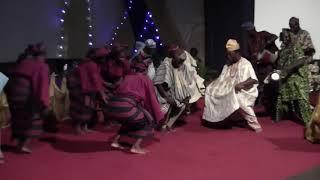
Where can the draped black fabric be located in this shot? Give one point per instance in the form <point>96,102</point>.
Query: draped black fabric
<point>223,21</point>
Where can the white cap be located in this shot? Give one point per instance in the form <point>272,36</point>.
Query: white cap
<point>150,43</point>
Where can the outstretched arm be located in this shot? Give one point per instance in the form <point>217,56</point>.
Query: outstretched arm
<point>246,85</point>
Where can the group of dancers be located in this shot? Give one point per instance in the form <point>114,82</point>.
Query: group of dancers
<point>133,91</point>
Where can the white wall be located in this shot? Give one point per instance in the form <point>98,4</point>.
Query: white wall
<point>273,15</point>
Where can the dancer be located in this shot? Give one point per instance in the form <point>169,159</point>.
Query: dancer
<point>85,86</point>
<point>28,96</point>
<point>234,91</point>
<point>136,107</point>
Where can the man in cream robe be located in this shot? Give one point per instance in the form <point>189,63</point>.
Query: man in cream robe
<point>235,89</point>
<point>177,82</point>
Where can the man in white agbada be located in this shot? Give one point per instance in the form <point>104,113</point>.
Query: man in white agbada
<point>178,84</point>
<point>235,89</point>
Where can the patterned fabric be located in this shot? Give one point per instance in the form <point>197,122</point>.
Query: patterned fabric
<point>140,87</point>
<point>182,82</point>
<point>135,121</point>
<point>59,96</point>
<point>4,110</point>
<point>221,100</point>
<point>79,111</point>
<point>303,39</point>
<point>25,124</point>
<point>294,90</point>
<point>314,76</point>
<point>312,133</point>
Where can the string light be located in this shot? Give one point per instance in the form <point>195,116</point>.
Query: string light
<point>150,31</point>
<point>122,22</point>
<point>61,47</point>
<point>89,21</point>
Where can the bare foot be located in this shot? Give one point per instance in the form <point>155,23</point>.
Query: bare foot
<point>138,151</point>
<point>165,128</point>
<point>259,130</point>
<point>171,130</point>
<point>117,146</point>
<point>1,158</point>
<point>87,130</point>
<point>25,150</point>
<point>79,132</point>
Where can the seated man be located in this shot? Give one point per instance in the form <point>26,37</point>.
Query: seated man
<point>235,89</point>
<point>178,83</point>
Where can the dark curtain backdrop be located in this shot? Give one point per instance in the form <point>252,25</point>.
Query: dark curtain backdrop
<point>76,29</point>
<point>180,22</point>
<point>223,21</point>
<point>136,15</point>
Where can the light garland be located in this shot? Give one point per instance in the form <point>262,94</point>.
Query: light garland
<point>122,22</point>
<point>90,26</point>
<point>150,30</point>
<point>61,46</point>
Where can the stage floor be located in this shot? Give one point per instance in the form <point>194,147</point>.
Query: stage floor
<point>192,152</point>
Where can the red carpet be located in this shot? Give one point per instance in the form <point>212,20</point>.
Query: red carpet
<point>191,153</point>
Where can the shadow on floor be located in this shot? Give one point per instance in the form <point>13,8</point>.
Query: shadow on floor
<point>313,174</point>
<point>76,146</point>
<point>292,144</point>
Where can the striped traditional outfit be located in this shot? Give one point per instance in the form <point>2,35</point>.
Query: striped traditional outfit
<point>182,82</point>
<point>135,105</point>
<point>84,83</point>
<point>28,94</point>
